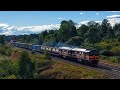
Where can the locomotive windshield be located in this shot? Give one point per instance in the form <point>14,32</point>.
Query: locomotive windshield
<point>94,52</point>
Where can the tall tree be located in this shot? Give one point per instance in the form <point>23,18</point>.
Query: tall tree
<point>2,39</point>
<point>104,28</point>
<point>26,66</point>
<point>92,35</point>
<point>82,30</point>
<point>91,23</point>
<point>67,30</point>
<point>110,33</point>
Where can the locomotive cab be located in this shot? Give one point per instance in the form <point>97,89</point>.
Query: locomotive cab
<point>94,56</point>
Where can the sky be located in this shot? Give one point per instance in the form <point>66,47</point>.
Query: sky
<point>28,22</point>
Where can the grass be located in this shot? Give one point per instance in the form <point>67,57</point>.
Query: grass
<point>110,59</point>
<point>60,70</point>
<point>52,69</point>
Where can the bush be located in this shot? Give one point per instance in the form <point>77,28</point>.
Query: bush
<point>7,65</point>
<point>103,45</point>
<point>105,52</point>
<point>118,38</point>
<point>7,68</point>
<point>46,55</point>
<point>5,50</point>
<point>115,59</point>
<point>2,51</point>
<point>8,52</point>
<point>3,73</point>
<point>118,59</point>
<point>116,51</point>
<point>32,52</point>
<point>11,77</point>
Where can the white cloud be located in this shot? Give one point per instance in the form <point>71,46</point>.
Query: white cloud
<point>113,19</point>
<point>40,28</point>
<point>97,13</point>
<point>60,18</point>
<point>113,11</point>
<point>7,33</point>
<point>15,30</point>
<point>80,23</point>
<point>113,16</point>
<point>81,13</point>
<point>84,22</point>
<point>3,25</point>
<point>9,30</point>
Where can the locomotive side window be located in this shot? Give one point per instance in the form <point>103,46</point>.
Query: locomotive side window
<point>94,53</point>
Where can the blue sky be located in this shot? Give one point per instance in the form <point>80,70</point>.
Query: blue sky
<point>29,18</point>
<point>12,22</point>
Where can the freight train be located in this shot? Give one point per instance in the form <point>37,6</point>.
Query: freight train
<point>76,54</point>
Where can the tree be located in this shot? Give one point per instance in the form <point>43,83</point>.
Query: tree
<point>118,39</point>
<point>91,23</point>
<point>26,66</point>
<point>75,41</point>
<point>110,33</point>
<point>82,30</point>
<point>67,30</point>
<point>2,40</point>
<point>92,35</point>
<point>116,29</point>
<point>104,28</point>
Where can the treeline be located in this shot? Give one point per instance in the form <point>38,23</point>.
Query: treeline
<point>93,36</point>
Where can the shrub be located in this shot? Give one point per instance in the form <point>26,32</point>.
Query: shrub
<point>116,51</point>
<point>7,68</point>
<point>118,38</point>
<point>11,77</point>
<point>8,52</point>
<point>33,52</point>
<point>3,73</point>
<point>7,65</point>
<point>105,52</point>
<point>103,45</point>
<point>118,59</point>
<point>5,50</point>
<point>2,51</point>
<point>46,55</point>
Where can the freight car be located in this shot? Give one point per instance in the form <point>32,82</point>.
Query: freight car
<point>29,46</point>
<point>36,48</point>
<point>23,45</point>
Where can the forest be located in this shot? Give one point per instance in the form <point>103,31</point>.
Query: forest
<point>103,37</point>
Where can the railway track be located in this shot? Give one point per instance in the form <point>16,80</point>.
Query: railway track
<point>112,71</point>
